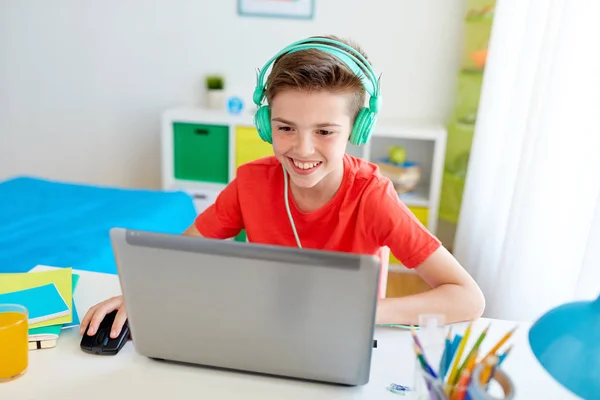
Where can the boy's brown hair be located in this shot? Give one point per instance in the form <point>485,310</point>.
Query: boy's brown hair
<point>315,70</point>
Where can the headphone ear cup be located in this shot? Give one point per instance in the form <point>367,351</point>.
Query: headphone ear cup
<point>262,121</point>
<point>363,127</point>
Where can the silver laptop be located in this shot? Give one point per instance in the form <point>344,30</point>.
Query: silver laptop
<point>273,310</point>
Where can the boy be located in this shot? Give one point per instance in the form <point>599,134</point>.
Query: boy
<point>312,194</point>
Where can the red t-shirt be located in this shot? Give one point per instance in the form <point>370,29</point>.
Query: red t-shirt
<point>364,215</point>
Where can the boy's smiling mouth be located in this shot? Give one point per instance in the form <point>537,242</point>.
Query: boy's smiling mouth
<point>304,167</point>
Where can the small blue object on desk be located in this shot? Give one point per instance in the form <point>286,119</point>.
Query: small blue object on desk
<point>566,342</point>
<point>398,389</point>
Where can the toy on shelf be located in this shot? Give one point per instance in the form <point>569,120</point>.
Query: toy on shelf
<point>479,58</point>
<point>405,175</point>
<point>235,105</point>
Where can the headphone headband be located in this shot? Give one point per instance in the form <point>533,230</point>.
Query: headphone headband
<point>347,54</point>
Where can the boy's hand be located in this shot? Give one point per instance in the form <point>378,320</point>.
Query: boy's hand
<point>96,314</point>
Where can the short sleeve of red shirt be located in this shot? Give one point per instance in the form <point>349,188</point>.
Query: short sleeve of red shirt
<point>223,219</point>
<point>396,227</point>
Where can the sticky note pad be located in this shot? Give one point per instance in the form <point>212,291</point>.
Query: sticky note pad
<point>60,277</point>
<point>53,331</point>
<point>42,302</point>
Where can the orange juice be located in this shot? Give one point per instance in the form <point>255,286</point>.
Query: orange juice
<point>13,341</point>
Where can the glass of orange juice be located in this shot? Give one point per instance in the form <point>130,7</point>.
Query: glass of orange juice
<point>14,344</point>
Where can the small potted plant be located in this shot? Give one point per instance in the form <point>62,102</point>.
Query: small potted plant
<point>215,92</point>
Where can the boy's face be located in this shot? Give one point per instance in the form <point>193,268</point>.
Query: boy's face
<point>310,134</point>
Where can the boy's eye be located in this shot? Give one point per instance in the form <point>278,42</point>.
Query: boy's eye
<point>284,129</point>
<point>324,132</point>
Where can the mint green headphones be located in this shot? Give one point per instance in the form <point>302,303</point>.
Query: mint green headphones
<point>365,121</point>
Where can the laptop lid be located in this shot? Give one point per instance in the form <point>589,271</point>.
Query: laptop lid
<point>285,311</point>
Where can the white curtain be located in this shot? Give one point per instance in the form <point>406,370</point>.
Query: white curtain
<point>529,228</point>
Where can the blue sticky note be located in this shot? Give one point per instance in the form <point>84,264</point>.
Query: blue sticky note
<point>42,302</point>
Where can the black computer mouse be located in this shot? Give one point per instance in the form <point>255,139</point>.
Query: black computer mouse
<point>101,343</point>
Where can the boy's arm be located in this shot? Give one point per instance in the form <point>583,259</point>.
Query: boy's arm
<point>192,231</point>
<point>454,293</point>
<point>222,219</point>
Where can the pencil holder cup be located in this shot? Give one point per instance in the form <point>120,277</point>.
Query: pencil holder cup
<point>428,387</point>
<point>499,387</point>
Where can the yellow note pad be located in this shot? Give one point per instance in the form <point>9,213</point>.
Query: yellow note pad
<point>62,279</point>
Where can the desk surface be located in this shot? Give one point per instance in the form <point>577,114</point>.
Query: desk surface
<point>65,372</point>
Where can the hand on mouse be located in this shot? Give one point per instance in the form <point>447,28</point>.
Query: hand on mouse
<point>96,314</point>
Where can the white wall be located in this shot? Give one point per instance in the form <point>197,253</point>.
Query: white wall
<point>83,83</point>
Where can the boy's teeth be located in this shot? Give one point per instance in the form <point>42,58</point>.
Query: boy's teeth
<point>305,165</point>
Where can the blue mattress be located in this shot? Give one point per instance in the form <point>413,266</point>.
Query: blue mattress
<point>66,225</point>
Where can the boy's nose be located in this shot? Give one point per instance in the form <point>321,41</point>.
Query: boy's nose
<point>304,145</point>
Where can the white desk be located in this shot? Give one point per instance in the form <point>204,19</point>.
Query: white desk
<point>65,372</point>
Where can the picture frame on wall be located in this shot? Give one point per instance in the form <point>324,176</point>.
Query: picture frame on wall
<point>297,9</point>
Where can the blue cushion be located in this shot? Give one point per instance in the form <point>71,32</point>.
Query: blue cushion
<point>66,225</point>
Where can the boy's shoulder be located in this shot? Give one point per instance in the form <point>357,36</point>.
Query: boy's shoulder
<point>365,174</point>
<point>361,169</point>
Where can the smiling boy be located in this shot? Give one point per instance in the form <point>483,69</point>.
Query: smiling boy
<point>312,194</point>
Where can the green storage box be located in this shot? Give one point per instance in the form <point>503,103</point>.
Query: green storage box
<point>201,152</point>
<point>241,237</point>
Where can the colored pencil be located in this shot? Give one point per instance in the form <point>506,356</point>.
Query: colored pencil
<point>465,375</point>
<point>461,348</point>
<point>420,354</point>
<point>424,364</point>
<point>427,368</point>
<point>461,386</point>
<point>504,355</point>
<point>453,347</point>
<point>486,372</point>
<point>475,348</point>
<point>500,343</point>
<point>444,361</point>
<point>415,337</point>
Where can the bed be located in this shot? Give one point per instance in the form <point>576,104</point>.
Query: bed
<point>66,225</point>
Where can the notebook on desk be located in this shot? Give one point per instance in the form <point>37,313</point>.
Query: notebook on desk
<point>45,337</point>
<point>61,278</point>
<point>266,309</point>
<point>42,302</point>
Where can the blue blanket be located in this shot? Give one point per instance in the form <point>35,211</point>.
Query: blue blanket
<point>66,225</point>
